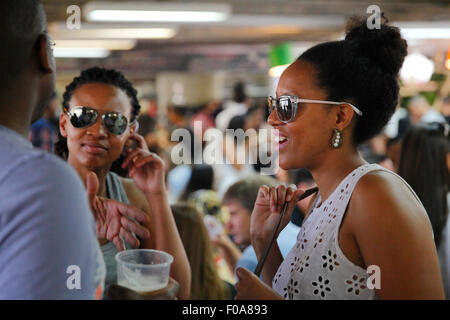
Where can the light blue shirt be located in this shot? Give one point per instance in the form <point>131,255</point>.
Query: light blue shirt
<point>48,245</point>
<point>286,240</point>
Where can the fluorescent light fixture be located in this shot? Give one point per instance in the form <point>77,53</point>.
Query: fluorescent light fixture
<point>416,69</point>
<point>80,53</point>
<point>111,31</point>
<point>417,30</point>
<point>155,12</point>
<point>275,72</point>
<point>154,16</point>
<point>425,33</point>
<point>311,21</point>
<point>133,33</point>
<point>101,44</point>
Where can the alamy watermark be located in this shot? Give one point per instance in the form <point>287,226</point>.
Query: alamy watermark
<point>374,280</point>
<point>374,20</point>
<point>74,280</point>
<point>74,20</point>
<point>233,146</point>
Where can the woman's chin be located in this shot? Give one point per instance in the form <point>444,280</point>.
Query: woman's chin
<point>93,163</point>
<point>284,164</point>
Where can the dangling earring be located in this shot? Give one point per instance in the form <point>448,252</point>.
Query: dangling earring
<point>336,139</point>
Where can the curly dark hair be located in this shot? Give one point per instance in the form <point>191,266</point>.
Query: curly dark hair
<point>97,75</point>
<point>362,69</point>
<point>107,76</point>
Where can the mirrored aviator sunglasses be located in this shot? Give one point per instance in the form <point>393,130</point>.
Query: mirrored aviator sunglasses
<point>83,117</point>
<point>285,107</point>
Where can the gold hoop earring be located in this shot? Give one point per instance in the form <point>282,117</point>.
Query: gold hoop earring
<point>336,139</point>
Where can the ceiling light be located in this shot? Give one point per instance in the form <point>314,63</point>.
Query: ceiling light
<point>80,53</point>
<point>111,31</point>
<point>425,33</point>
<point>155,12</point>
<point>416,30</point>
<point>103,44</point>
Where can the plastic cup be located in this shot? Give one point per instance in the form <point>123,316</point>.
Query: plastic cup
<point>143,270</point>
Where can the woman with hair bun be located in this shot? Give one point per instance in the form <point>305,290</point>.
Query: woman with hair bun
<point>366,235</point>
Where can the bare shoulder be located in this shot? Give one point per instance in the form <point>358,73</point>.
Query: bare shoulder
<point>383,200</point>
<point>135,196</point>
<point>392,231</point>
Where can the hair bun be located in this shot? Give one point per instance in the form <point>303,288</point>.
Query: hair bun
<point>385,46</point>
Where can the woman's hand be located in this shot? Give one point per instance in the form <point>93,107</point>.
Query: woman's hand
<point>267,210</point>
<point>145,168</point>
<point>250,287</point>
<point>112,217</point>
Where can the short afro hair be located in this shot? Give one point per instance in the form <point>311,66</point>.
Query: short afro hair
<point>107,76</point>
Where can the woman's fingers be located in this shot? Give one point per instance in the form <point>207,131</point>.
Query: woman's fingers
<point>140,140</point>
<point>128,237</point>
<point>127,210</point>
<point>292,195</point>
<point>134,227</point>
<point>273,199</point>
<point>118,243</point>
<point>263,197</point>
<point>92,186</point>
<point>131,158</point>
<point>290,192</point>
<point>152,157</point>
<point>281,195</point>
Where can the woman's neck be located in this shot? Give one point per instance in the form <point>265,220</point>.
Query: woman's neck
<point>333,169</point>
<point>100,172</point>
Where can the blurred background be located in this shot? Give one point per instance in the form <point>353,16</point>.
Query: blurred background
<point>216,62</point>
<point>189,59</point>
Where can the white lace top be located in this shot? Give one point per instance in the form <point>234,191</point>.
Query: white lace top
<point>316,268</point>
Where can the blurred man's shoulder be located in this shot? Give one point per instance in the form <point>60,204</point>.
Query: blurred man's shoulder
<point>22,163</point>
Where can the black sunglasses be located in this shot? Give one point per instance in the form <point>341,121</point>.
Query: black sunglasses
<point>83,117</point>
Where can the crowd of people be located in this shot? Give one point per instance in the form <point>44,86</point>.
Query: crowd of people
<point>100,178</point>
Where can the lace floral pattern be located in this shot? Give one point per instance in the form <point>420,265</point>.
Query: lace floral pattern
<point>320,286</point>
<point>356,285</point>
<point>330,261</point>
<point>316,268</point>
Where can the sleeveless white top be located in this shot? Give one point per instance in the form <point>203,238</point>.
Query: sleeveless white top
<point>316,268</point>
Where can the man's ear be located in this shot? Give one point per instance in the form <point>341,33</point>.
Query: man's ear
<point>46,58</point>
<point>62,124</point>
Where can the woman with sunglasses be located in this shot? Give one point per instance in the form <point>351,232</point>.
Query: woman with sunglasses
<point>100,108</point>
<point>366,234</point>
